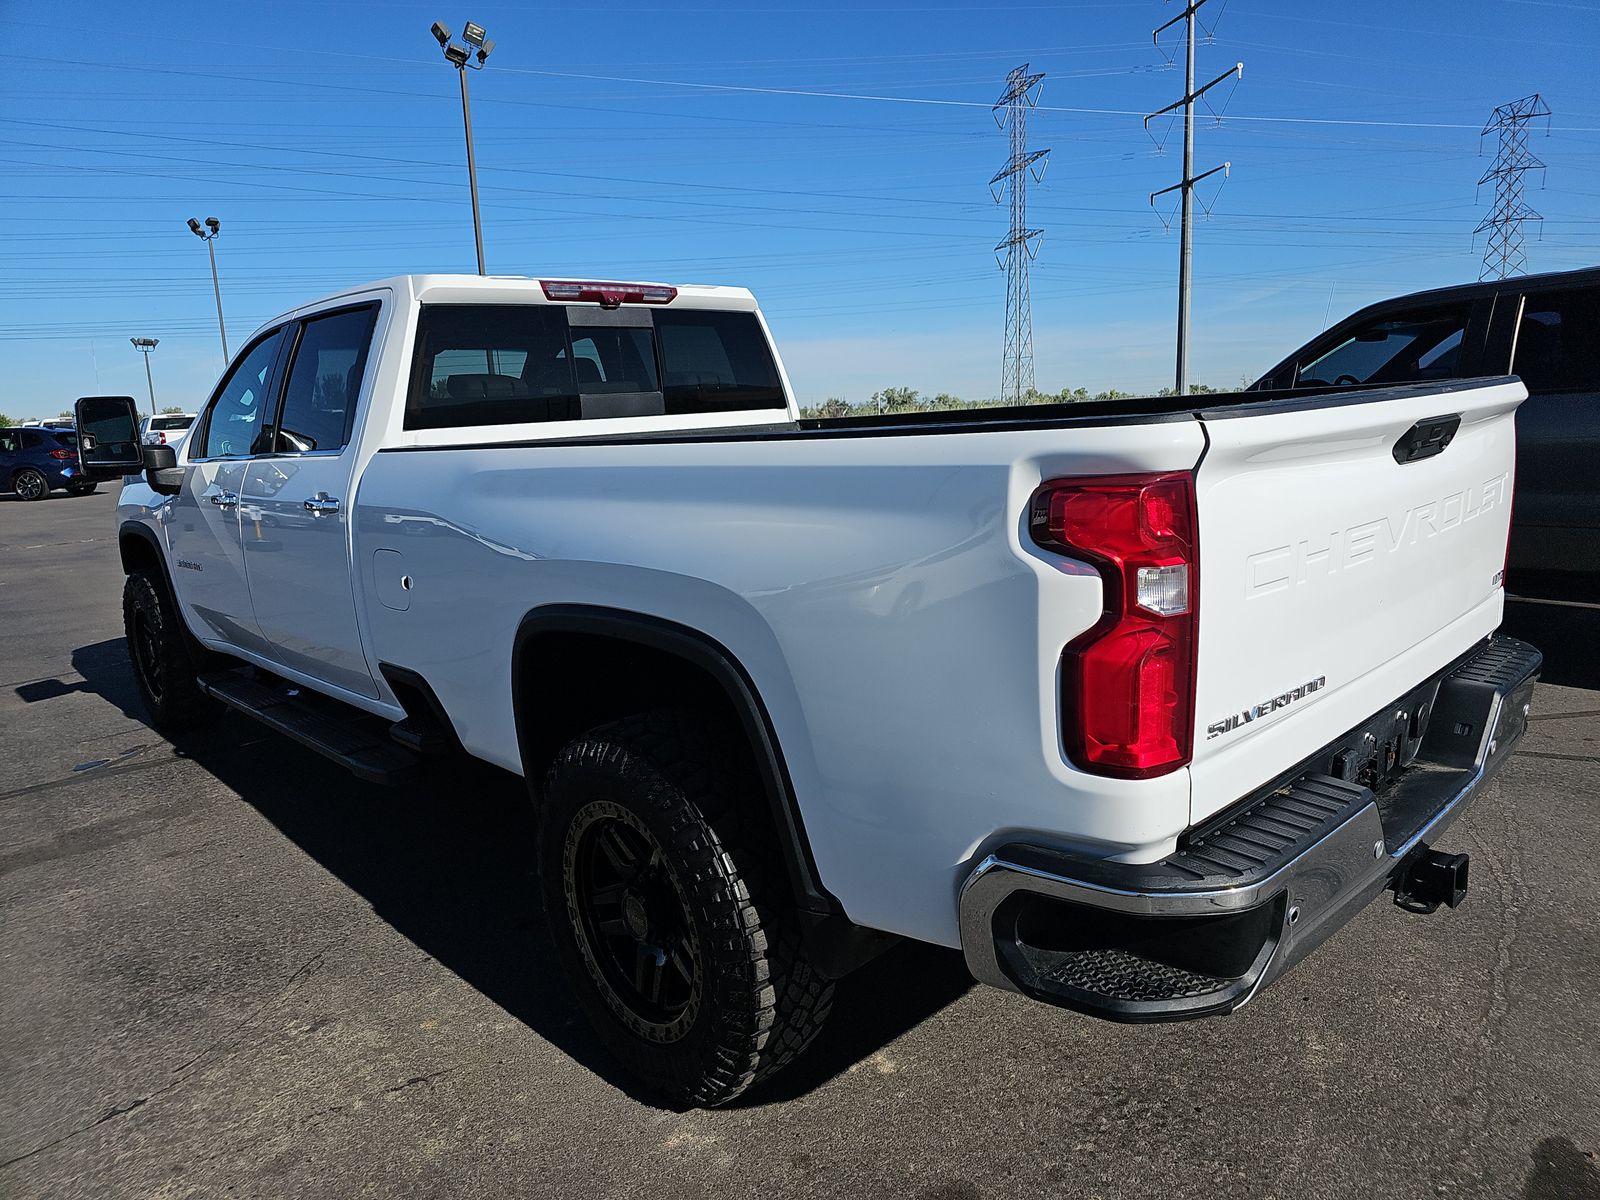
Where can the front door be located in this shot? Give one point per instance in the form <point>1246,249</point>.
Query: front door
<point>202,527</point>
<point>296,502</point>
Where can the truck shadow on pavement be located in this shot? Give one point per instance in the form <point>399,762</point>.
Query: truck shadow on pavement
<point>449,864</point>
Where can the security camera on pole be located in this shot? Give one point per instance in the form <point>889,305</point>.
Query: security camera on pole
<point>215,227</point>
<point>458,57</point>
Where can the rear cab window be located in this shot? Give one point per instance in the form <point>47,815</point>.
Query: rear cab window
<point>505,364</point>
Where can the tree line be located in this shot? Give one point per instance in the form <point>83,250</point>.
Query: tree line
<point>904,399</point>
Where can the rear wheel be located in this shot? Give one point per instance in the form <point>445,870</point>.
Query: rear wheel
<point>81,489</point>
<point>669,910</point>
<point>30,484</point>
<point>161,660</point>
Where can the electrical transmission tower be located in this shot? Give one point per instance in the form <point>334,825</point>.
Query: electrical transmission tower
<point>1185,185</point>
<point>1010,186</point>
<point>1503,253</point>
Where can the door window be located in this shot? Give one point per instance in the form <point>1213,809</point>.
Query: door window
<point>238,410</point>
<point>1556,342</point>
<point>319,400</point>
<point>1399,349</point>
<point>9,440</point>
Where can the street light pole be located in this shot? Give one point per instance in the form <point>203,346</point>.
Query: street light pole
<point>460,58</point>
<point>472,171</point>
<point>214,227</point>
<point>145,346</point>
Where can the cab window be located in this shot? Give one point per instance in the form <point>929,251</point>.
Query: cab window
<point>237,412</point>
<point>1400,349</point>
<point>319,399</point>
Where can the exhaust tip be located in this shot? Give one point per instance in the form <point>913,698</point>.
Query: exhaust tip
<point>1429,879</point>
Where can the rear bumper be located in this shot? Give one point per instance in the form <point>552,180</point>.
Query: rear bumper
<point>1251,892</point>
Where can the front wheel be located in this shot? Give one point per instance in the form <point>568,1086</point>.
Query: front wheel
<point>161,661</point>
<point>670,911</point>
<point>30,484</point>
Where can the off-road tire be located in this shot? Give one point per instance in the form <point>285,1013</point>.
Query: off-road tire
<point>162,664</point>
<point>687,781</point>
<point>30,484</point>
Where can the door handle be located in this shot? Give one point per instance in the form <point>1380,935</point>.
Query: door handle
<point>322,504</point>
<point>225,499</point>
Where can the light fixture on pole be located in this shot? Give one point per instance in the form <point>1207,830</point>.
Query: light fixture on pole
<point>206,235</point>
<point>144,346</point>
<point>460,57</point>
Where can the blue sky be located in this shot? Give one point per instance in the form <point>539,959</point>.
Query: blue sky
<point>832,157</point>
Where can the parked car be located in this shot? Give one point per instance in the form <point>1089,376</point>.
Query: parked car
<point>1134,702</point>
<point>1544,329</point>
<point>165,429</point>
<point>36,459</point>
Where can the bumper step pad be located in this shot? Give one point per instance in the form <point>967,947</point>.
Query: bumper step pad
<point>1119,974</point>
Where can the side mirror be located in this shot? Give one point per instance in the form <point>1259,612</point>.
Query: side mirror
<point>161,470</point>
<point>108,436</point>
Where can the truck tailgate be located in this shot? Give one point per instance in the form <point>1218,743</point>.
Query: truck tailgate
<point>1333,576</point>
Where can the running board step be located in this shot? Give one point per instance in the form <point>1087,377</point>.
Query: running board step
<point>357,741</point>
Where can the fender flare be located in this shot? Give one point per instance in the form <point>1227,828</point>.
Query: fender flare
<point>143,532</point>
<point>720,664</point>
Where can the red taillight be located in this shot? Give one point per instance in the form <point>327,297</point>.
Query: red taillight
<point>610,295</point>
<point>1128,683</point>
<point>64,455</point>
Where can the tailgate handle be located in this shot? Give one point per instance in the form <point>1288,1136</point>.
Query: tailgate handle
<point>1427,438</point>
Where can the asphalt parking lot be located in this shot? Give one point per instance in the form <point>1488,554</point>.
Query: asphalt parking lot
<point>228,968</point>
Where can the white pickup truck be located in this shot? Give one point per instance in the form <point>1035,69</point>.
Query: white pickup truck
<point>1132,702</point>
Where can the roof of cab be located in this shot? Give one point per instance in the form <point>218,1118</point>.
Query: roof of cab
<point>527,289</point>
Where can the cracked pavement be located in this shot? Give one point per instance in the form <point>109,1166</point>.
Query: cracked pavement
<point>231,969</point>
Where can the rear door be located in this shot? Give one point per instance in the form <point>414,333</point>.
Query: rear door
<point>1557,354</point>
<point>203,546</point>
<point>1333,577</point>
<point>296,499</point>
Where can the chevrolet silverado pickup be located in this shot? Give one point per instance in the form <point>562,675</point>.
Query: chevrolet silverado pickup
<point>1133,702</point>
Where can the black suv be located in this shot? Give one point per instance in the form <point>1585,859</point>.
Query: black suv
<point>1545,328</point>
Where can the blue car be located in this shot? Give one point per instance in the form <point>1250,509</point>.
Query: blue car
<point>35,461</point>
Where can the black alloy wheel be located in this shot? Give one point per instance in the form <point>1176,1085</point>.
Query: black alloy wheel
<point>144,649</point>
<point>670,908</point>
<point>162,662</point>
<point>637,937</point>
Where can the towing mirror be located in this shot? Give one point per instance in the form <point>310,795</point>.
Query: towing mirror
<point>108,436</point>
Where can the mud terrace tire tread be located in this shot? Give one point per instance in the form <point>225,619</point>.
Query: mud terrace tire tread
<point>182,705</point>
<point>763,1002</point>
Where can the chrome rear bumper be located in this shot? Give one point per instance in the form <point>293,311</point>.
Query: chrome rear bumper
<point>1250,893</point>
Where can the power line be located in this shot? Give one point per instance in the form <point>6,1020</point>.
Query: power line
<point>1504,253</point>
<point>1010,186</point>
<point>1185,185</point>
